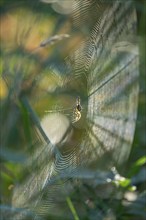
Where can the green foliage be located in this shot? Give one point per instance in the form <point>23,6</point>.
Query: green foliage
<point>34,79</point>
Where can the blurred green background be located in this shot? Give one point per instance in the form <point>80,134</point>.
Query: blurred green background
<point>30,76</point>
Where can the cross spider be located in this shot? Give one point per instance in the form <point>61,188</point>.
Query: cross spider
<point>77,110</point>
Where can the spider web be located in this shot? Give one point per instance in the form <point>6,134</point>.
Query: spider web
<point>105,71</point>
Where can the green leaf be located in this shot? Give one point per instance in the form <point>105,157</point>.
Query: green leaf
<point>141,161</point>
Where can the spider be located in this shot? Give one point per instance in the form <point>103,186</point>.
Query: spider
<point>76,111</point>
